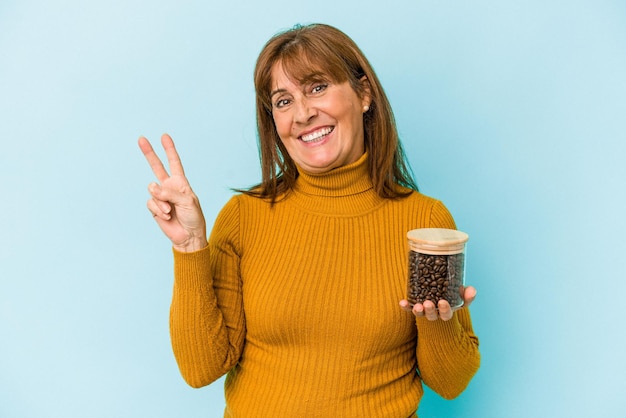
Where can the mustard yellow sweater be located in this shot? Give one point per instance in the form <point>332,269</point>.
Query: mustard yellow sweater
<point>298,304</point>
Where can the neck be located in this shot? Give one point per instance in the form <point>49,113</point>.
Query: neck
<point>341,191</point>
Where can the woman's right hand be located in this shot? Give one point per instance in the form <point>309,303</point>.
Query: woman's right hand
<point>173,204</point>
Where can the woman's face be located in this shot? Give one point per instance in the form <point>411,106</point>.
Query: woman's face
<point>319,122</point>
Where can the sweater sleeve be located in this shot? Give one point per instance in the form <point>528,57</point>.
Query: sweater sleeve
<point>447,351</point>
<point>207,325</point>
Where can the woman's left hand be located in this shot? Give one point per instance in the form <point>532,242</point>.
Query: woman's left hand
<point>442,311</point>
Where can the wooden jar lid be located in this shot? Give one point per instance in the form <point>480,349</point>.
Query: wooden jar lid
<point>437,240</point>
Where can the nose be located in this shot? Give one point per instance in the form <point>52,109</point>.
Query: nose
<point>304,111</point>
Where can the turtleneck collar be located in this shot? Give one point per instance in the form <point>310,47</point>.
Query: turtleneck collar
<point>346,190</point>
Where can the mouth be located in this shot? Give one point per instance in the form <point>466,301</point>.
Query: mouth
<point>317,135</point>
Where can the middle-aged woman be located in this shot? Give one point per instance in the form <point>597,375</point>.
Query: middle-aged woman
<point>295,294</point>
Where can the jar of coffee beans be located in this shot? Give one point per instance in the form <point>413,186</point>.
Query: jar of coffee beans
<point>436,266</point>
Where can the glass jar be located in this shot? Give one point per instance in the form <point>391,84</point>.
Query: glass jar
<point>436,266</point>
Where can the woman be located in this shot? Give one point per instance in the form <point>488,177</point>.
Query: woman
<point>295,294</point>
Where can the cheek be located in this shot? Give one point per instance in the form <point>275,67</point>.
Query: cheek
<point>282,125</point>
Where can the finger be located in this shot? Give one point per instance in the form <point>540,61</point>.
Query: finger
<point>169,196</point>
<point>430,311</point>
<point>157,212</point>
<point>445,311</point>
<point>417,309</point>
<point>405,305</point>
<point>173,159</point>
<point>153,159</point>
<point>158,196</point>
<point>469,295</point>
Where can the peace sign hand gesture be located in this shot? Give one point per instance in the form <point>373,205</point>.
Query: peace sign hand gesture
<point>174,205</point>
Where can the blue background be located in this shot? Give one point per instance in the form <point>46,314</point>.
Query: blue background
<point>512,113</point>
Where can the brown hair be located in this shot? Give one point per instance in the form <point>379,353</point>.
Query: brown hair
<point>324,50</point>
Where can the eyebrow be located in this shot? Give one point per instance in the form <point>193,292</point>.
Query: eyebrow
<point>276,92</point>
<point>311,78</point>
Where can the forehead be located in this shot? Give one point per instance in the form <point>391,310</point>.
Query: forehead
<point>283,76</point>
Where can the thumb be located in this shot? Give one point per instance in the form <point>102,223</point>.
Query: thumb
<point>159,196</point>
<point>155,190</point>
<point>160,193</point>
<point>469,295</point>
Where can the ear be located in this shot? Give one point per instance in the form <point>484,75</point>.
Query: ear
<point>366,98</point>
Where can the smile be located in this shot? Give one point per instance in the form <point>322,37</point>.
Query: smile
<point>317,135</point>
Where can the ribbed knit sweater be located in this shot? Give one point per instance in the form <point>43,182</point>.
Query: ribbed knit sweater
<point>298,304</point>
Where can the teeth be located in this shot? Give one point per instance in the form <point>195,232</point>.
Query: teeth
<point>316,135</point>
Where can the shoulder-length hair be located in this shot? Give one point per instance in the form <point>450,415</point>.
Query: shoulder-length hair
<point>324,50</point>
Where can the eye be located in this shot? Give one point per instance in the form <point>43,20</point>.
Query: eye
<point>280,103</point>
<point>318,88</point>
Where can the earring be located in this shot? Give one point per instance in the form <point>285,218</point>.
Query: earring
<point>366,108</point>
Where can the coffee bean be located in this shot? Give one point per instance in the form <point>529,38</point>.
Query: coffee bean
<point>435,277</point>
